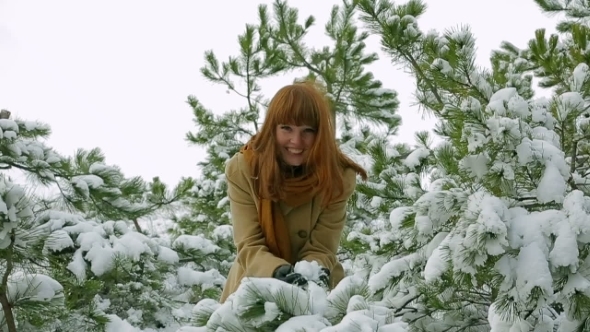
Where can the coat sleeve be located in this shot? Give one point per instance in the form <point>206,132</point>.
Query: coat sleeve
<point>252,253</point>
<point>322,245</point>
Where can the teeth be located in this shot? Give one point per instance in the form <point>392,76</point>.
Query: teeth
<point>295,151</point>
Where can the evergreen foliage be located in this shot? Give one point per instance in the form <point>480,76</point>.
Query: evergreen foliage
<point>482,225</point>
<point>273,46</point>
<point>73,255</point>
<point>485,230</point>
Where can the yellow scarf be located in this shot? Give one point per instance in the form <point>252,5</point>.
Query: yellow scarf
<point>298,191</point>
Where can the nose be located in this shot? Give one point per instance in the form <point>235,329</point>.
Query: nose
<point>296,139</point>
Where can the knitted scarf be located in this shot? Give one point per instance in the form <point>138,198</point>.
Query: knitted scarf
<point>298,191</point>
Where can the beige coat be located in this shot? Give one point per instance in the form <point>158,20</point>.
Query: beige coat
<point>315,231</point>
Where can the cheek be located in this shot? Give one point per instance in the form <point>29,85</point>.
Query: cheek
<point>281,140</point>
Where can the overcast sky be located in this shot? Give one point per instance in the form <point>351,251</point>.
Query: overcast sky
<point>116,74</point>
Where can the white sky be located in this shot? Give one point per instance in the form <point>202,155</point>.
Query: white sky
<point>116,74</point>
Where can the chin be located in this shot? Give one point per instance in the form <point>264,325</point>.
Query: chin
<point>292,163</point>
<point>291,160</point>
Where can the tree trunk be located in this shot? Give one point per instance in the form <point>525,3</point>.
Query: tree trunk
<point>7,309</point>
<point>6,306</point>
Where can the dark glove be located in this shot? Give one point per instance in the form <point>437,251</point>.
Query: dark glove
<point>285,273</point>
<point>325,277</point>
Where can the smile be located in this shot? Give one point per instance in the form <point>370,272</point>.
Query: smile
<point>295,151</point>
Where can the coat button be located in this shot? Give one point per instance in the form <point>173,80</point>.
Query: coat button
<point>302,234</point>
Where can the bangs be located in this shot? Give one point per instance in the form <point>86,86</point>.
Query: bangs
<point>297,107</point>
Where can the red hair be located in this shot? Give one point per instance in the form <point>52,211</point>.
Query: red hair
<point>300,104</point>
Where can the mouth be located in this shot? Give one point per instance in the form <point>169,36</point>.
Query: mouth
<point>295,151</point>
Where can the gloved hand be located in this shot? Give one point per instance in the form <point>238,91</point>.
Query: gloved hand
<point>285,273</point>
<point>325,277</point>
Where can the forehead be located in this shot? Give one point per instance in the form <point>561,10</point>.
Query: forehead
<point>297,111</point>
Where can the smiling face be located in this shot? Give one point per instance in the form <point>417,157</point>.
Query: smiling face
<point>294,143</point>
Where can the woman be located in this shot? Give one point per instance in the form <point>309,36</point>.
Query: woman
<point>288,189</point>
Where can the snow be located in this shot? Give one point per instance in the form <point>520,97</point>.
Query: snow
<point>207,279</point>
<point>310,270</point>
<point>533,271</point>
<point>222,232</point>
<point>168,255</point>
<point>503,127</point>
<point>497,102</point>
<point>567,103</point>
<point>7,124</point>
<point>576,283</point>
<point>565,250</point>
<point>117,324</point>
<point>496,322</point>
<point>392,270</point>
<point>86,182</point>
<point>192,329</point>
<point>530,150</point>
<point>99,168</point>
<point>293,297</point>
<point>443,66</point>
<point>491,215</point>
<point>397,217</point>
<point>519,107</point>
<point>476,165</point>
<point>33,287</point>
<point>272,298</point>
<point>195,242</point>
<point>580,75</point>
<point>133,245</point>
<point>415,158</point>
<point>304,323</point>
<point>101,259</point>
<point>78,266</point>
<point>437,263</point>
<point>361,323</point>
<point>552,186</point>
<point>508,227</point>
<point>58,241</point>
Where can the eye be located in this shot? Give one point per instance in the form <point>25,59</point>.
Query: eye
<point>286,128</point>
<point>309,130</point>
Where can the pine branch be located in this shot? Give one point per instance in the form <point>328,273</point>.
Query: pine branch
<point>408,57</point>
<point>297,52</point>
<point>414,320</point>
<point>472,86</point>
<point>136,224</point>
<point>403,306</point>
<point>550,7</point>
<point>249,87</point>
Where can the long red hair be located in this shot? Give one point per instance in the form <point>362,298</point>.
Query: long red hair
<point>300,104</point>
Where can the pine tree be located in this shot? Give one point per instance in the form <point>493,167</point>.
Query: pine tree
<point>397,177</point>
<point>269,48</point>
<point>485,245</point>
<point>497,238</point>
<point>72,252</point>
<point>277,46</point>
